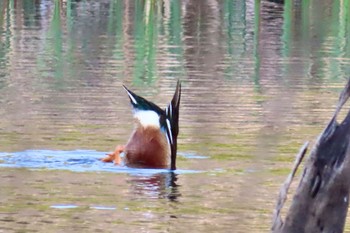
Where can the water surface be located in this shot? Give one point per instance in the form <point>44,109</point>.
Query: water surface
<point>259,78</point>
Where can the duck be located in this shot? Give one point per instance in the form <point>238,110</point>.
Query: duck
<point>153,142</point>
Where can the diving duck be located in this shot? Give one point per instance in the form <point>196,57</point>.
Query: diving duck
<point>153,143</point>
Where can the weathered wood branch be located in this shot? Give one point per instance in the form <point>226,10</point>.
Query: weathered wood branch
<point>320,203</point>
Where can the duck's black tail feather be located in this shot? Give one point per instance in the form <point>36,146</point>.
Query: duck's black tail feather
<point>172,116</point>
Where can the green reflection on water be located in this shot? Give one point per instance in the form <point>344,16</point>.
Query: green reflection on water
<point>5,42</point>
<point>52,59</point>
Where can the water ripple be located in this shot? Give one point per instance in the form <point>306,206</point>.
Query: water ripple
<point>76,161</point>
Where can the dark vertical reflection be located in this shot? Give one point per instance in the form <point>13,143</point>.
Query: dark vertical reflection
<point>31,13</point>
<point>159,186</point>
<point>269,46</point>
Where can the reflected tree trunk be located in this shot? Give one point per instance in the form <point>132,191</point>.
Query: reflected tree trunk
<point>321,200</point>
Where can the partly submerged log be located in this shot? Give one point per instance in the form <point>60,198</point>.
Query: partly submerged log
<point>321,200</point>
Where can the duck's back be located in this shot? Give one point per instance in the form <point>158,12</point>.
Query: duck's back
<point>147,147</point>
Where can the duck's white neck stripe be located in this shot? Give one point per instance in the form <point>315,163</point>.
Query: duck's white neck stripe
<point>169,129</point>
<point>147,118</point>
<point>131,97</point>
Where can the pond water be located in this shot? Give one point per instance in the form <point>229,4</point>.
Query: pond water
<point>259,79</point>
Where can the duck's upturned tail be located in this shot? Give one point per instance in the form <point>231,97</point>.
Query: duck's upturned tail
<point>172,118</point>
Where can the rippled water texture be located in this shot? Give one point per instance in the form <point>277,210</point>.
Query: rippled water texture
<point>76,161</point>
<point>259,78</point>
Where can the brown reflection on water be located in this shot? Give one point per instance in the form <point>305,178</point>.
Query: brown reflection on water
<point>270,72</point>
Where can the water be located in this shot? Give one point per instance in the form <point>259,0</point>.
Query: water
<point>77,161</point>
<point>259,78</point>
